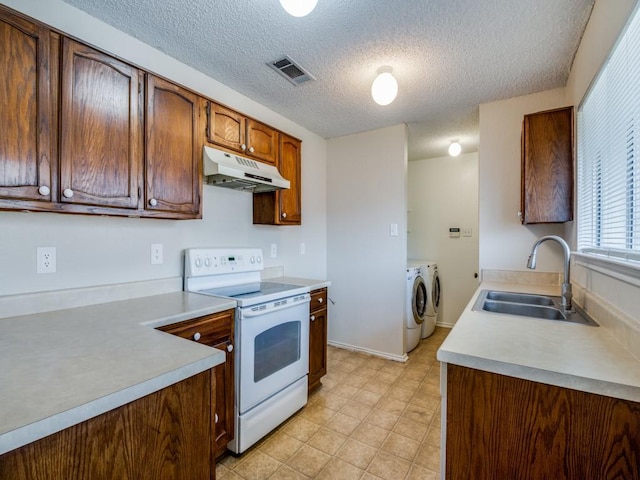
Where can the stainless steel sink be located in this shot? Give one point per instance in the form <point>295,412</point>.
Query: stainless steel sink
<point>528,305</point>
<point>520,298</point>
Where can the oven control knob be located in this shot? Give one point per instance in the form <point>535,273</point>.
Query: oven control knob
<point>259,259</point>
<point>196,336</point>
<point>207,262</point>
<point>252,259</point>
<point>198,262</point>
<point>313,318</point>
<point>229,348</point>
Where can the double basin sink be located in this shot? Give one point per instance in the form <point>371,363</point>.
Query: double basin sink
<point>529,305</point>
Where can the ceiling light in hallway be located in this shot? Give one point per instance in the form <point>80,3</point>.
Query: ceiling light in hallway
<point>455,148</point>
<point>385,87</point>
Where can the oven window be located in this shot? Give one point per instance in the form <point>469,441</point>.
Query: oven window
<point>275,349</point>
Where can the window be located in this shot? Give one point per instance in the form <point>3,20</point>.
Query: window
<point>609,154</point>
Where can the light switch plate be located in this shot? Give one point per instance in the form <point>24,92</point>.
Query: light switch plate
<point>393,229</point>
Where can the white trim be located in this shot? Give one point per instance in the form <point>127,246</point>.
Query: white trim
<point>388,356</point>
<point>445,324</point>
<point>620,270</point>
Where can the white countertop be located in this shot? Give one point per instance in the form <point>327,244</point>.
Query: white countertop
<point>60,368</point>
<point>304,282</point>
<point>556,353</point>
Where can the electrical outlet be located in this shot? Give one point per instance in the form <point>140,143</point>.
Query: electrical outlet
<point>46,260</point>
<point>156,254</point>
<point>274,250</point>
<point>466,232</point>
<point>303,249</point>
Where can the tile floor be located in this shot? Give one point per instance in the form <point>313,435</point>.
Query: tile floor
<point>371,419</point>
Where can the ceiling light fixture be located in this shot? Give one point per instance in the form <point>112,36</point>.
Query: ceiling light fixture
<point>385,87</point>
<point>455,148</point>
<point>298,8</point>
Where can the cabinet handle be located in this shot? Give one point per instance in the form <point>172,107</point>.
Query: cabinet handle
<point>216,418</point>
<point>284,214</point>
<point>320,300</point>
<point>229,348</point>
<point>68,193</point>
<point>243,147</point>
<point>44,190</point>
<point>153,202</point>
<point>251,149</point>
<point>313,318</point>
<point>196,336</point>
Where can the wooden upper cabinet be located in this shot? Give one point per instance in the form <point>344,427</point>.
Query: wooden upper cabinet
<point>283,207</point>
<point>226,127</point>
<point>100,129</point>
<point>547,167</point>
<point>234,131</point>
<point>262,142</point>
<point>26,136</point>
<point>173,159</point>
<point>290,202</point>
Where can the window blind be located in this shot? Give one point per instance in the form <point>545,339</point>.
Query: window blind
<point>608,162</point>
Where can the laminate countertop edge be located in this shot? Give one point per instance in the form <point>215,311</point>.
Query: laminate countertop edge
<point>556,353</point>
<point>63,367</point>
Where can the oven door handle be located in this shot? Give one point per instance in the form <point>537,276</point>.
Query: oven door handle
<point>250,313</point>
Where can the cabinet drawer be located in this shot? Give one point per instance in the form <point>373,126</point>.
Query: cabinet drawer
<point>318,299</point>
<point>209,330</point>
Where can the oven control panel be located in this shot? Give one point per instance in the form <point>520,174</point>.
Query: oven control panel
<point>218,261</point>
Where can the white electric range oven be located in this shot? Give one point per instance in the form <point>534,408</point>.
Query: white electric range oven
<point>271,333</point>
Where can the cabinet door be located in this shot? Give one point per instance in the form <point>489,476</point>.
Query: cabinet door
<point>289,201</point>
<point>547,167</point>
<point>101,129</point>
<point>224,419</point>
<point>226,127</point>
<point>262,142</point>
<point>173,159</point>
<point>317,347</point>
<point>25,110</point>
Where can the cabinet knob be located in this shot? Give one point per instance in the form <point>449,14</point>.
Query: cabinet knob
<point>313,318</point>
<point>44,190</point>
<point>153,202</point>
<point>243,147</point>
<point>216,418</point>
<point>320,300</point>
<point>519,214</point>
<point>68,193</point>
<point>229,348</point>
<point>196,336</point>
<point>251,149</point>
<point>284,214</point>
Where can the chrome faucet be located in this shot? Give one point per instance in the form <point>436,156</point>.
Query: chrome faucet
<point>566,286</point>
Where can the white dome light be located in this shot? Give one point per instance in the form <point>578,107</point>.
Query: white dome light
<point>455,149</point>
<point>385,87</point>
<point>298,8</point>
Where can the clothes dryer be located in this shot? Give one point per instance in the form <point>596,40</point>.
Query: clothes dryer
<point>416,306</point>
<point>432,285</point>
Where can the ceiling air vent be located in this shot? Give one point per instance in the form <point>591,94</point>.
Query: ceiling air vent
<point>291,71</point>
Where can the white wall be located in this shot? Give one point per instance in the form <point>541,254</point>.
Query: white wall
<point>443,193</point>
<point>505,243</point>
<point>367,192</point>
<point>103,250</point>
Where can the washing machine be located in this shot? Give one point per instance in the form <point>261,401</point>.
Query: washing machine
<point>416,307</point>
<point>432,285</point>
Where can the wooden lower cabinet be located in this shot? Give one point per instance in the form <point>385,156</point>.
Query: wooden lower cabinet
<point>217,331</point>
<point>317,338</point>
<point>165,435</point>
<point>504,427</point>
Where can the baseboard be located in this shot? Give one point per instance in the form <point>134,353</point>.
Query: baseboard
<point>375,353</point>
<point>445,325</point>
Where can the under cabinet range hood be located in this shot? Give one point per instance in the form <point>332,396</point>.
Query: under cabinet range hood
<point>239,173</point>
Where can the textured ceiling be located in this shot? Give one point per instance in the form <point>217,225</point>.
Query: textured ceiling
<point>448,56</point>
